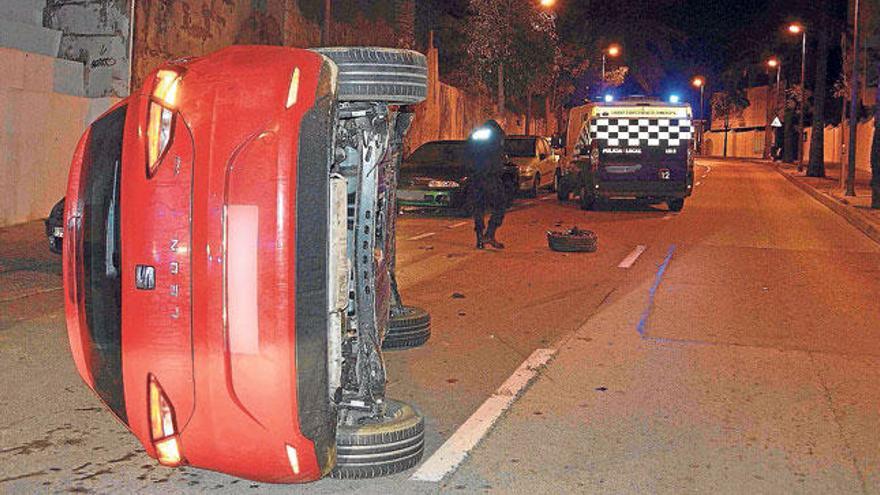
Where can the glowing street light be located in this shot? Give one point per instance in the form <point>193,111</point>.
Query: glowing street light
<point>613,50</point>
<point>547,3</point>
<point>796,28</point>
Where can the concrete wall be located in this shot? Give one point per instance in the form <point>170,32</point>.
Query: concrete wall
<point>168,30</point>
<point>39,129</point>
<point>834,139</point>
<point>95,33</point>
<point>740,144</point>
<point>451,113</point>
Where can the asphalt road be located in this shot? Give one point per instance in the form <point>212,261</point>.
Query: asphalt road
<point>737,354</point>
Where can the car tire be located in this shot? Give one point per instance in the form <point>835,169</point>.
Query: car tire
<point>410,328</point>
<point>675,204</point>
<point>587,198</point>
<point>393,443</point>
<point>388,75</point>
<point>562,193</point>
<point>536,183</point>
<point>566,242</point>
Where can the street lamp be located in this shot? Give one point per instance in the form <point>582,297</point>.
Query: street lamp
<point>612,51</point>
<point>700,82</point>
<point>796,29</point>
<point>547,3</point>
<point>772,63</point>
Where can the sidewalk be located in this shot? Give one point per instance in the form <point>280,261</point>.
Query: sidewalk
<point>856,210</point>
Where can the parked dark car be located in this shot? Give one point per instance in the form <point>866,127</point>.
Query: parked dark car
<point>435,176</point>
<point>55,227</point>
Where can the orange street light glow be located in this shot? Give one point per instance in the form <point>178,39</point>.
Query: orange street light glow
<point>547,3</point>
<point>698,82</point>
<point>795,28</point>
<point>773,63</point>
<point>613,50</point>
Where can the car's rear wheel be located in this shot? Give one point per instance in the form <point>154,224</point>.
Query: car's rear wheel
<point>380,446</point>
<point>386,75</point>
<point>536,183</point>
<point>675,204</point>
<point>410,327</point>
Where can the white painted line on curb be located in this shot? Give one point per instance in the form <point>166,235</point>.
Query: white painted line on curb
<point>630,260</point>
<point>547,197</point>
<point>456,448</point>
<point>457,225</point>
<point>421,236</point>
<point>528,203</point>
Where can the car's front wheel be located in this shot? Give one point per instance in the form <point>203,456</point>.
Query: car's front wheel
<point>392,443</point>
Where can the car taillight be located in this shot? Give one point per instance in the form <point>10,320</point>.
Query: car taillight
<point>163,429</point>
<point>160,120</point>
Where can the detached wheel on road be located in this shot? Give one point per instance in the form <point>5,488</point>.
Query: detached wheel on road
<point>573,240</point>
<point>410,327</point>
<point>380,446</point>
<point>675,204</point>
<point>388,75</point>
<point>588,199</point>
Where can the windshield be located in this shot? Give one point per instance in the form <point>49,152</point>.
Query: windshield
<point>519,147</point>
<point>438,154</point>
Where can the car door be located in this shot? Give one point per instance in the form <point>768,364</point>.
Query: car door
<point>546,161</point>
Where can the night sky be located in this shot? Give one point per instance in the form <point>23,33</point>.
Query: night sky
<point>703,37</point>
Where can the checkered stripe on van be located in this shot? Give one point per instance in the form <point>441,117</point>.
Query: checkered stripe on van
<point>641,132</point>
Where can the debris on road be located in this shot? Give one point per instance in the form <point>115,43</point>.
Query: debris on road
<point>457,295</point>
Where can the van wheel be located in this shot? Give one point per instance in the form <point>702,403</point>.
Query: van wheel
<point>392,443</point>
<point>388,75</point>
<point>588,199</point>
<point>675,204</point>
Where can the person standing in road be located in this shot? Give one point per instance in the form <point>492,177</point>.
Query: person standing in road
<point>486,190</point>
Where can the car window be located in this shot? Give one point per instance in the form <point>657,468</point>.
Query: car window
<point>438,154</point>
<point>519,147</point>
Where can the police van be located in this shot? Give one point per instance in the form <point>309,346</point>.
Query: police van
<point>639,148</point>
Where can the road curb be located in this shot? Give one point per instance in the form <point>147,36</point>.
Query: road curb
<point>856,219</point>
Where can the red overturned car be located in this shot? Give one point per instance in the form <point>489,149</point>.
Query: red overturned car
<point>227,236</point>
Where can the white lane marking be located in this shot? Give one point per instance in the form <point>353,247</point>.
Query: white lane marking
<point>468,435</point>
<point>421,236</point>
<point>457,225</point>
<point>631,258</point>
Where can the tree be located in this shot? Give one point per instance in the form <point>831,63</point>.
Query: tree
<point>510,42</point>
<point>406,24</point>
<point>816,167</point>
<point>726,105</point>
